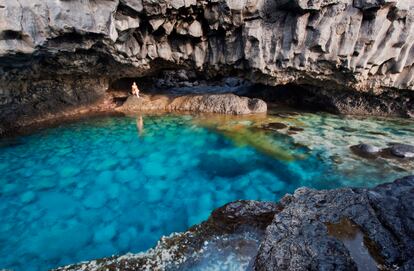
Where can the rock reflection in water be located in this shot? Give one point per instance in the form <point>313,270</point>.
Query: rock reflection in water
<point>360,248</point>
<point>140,125</point>
<point>9,142</point>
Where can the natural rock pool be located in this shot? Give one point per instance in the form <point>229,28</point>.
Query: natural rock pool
<point>114,185</point>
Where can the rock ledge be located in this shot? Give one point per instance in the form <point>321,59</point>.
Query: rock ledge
<point>207,103</point>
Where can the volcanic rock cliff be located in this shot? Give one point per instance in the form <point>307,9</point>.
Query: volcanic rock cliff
<point>55,53</point>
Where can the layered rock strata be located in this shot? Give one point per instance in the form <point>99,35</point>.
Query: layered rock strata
<point>59,53</point>
<point>341,229</point>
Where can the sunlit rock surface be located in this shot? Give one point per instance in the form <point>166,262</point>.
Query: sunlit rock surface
<point>309,230</point>
<point>207,103</point>
<point>59,53</point>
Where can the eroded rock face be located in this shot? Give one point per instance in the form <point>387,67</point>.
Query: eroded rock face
<point>207,103</point>
<point>297,238</point>
<point>309,230</point>
<point>363,46</point>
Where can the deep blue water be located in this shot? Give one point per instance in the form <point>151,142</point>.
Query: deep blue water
<point>100,187</point>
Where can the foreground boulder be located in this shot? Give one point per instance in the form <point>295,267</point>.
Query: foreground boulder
<point>207,103</point>
<point>341,229</point>
<point>298,239</point>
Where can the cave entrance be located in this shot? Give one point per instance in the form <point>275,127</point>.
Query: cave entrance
<point>120,89</point>
<point>182,82</point>
<point>296,96</point>
<point>123,85</point>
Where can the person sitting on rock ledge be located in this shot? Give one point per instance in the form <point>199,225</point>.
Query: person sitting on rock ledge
<point>135,89</point>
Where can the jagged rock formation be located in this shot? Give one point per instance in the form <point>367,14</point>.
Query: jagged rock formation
<point>56,52</point>
<point>297,238</point>
<point>207,103</point>
<point>187,249</point>
<point>341,229</point>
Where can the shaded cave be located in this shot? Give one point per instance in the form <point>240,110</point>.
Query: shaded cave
<point>302,97</point>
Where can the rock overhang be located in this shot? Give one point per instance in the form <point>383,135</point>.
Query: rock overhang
<point>340,45</point>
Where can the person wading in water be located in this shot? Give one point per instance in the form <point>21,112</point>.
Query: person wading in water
<point>135,89</point>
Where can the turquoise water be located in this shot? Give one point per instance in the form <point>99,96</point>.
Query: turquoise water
<point>114,185</point>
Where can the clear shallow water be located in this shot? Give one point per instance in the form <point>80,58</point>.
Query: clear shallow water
<point>100,187</point>
<point>232,252</point>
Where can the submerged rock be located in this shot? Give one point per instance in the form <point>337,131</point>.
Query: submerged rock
<point>309,230</point>
<point>365,150</point>
<point>348,129</point>
<point>296,129</point>
<point>28,197</point>
<point>275,126</point>
<point>396,150</point>
<point>207,103</point>
<point>368,148</point>
<point>106,233</point>
<point>402,150</point>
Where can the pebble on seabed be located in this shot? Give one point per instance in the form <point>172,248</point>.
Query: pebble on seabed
<point>105,233</point>
<point>28,197</point>
<point>95,199</point>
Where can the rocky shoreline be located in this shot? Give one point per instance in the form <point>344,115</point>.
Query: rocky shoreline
<point>27,124</point>
<point>204,103</point>
<point>308,230</point>
<point>123,103</point>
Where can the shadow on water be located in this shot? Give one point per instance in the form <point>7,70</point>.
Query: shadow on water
<point>10,142</point>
